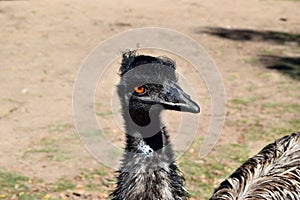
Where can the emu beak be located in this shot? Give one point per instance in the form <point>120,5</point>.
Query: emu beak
<point>174,98</point>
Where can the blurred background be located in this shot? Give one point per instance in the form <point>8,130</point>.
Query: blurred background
<point>255,45</point>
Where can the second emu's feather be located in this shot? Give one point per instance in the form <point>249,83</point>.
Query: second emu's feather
<point>274,173</point>
<point>148,171</point>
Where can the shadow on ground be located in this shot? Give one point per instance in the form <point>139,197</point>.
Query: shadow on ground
<point>252,35</point>
<point>287,65</point>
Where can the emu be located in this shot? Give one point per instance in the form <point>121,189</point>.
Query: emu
<point>274,173</point>
<point>148,171</point>
<point>148,86</point>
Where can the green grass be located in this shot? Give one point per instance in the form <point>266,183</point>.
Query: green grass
<point>267,76</point>
<point>244,102</point>
<point>25,188</point>
<point>12,181</point>
<point>251,60</point>
<point>233,77</point>
<point>63,185</point>
<point>251,87</point>
<point>221,49</point>
<point>271,105</point>
<point>91,174</point>
<point>94,178</point>
<point>13,184</point>
<point>295,123</point>
<point>294,108</point>
<point>52,154</point>
<point>104,113</point>
<point>59,158</point>
<point>48,142</point>
<point>203,175</point>
<point>51,150</point>
<point>45,145</point>
<point>42,150</point>
<point>237,153</point>
<point>296,47</point>
<point>256,131</point>
<point>59,127</point>
<point>268,52</point>
<point>287,88</point>
<point>280,108</point>
<point>253,132</point>
<point>92,187</point>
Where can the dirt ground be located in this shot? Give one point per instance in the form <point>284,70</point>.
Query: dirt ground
<point>43,43</point>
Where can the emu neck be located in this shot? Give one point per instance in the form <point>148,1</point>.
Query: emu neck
<point>148,169</point>
<point>146,127</point>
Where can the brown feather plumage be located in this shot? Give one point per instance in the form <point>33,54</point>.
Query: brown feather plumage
<point>274,173</point>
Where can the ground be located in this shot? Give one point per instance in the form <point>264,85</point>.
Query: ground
<point>255,45</point>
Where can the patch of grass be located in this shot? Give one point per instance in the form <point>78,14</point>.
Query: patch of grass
<point>287,87</point>
<point>24,188</point>
<point>12,184</point>
<point>293,108</point>
<point>267,76</point>
<point>29,196</point>
<point>221,50</point>
<point>98,104</point>
<point>62,185</point>
<point>254,132</point>
<point>259,130</point>
<point>233,76</point>
<point>281,107</point>
<point>8,100</point>
<point>104,113</point>
<point>271,105</point>
<point>95,179</point>
<point>90,175</point>
<point>245,121</point>
<point>42,150</point>
<point>296,47</point>
<point>251,87</point>
<point>52,154</point>
<point>59,127</point>
<point>277,132</point>
<point>59,158</point>
<point>203,175</point>
<point>48,147</point>
<point>12,180</point>
<point>237,153</point>
<point>244,102</point>
<point>92,187</point>
<point>295,124</point>
<point>267,52</point>
<point>48,142</point>
<point>251,60</point>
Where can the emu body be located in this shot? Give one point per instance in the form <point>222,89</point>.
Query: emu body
<point>274,173</point>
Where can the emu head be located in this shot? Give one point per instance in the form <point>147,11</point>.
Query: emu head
<point>149,85</point>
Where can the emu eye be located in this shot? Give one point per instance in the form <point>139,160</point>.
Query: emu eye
<point>139,90</point>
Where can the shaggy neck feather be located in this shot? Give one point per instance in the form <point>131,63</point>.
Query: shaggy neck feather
<point>148,170</point>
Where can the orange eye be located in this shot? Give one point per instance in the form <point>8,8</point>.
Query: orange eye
<point>139,90</point>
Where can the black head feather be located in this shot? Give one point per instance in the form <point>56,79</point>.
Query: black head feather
<point>131,60</point>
